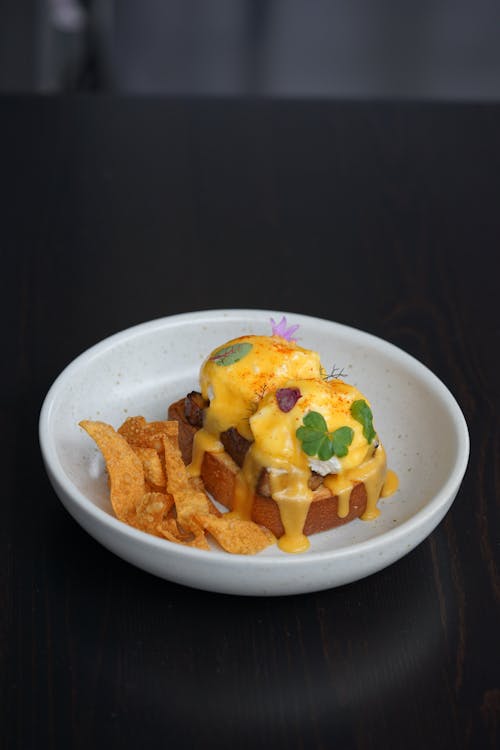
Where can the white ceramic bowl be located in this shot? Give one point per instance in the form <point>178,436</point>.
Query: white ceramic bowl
<point>145,368</point>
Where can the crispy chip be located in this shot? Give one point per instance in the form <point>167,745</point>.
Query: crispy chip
<point>199,539</point>
<point>171,531</point>
<point>170,526</point>
<point>152,466</point>
<point>151,489</point>
<point>151,512</point>
<point>144,434</point>
<point>197,483</point>
<point>126,476</point>
<point>189,498</point>
<point>236,536</point>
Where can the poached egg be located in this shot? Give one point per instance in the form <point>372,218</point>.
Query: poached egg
<point>298,422</point>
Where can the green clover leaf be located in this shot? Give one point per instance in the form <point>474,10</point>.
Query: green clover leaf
<point>362,413</point>
<point>317,441</point>
<point>341,440</point>
<point>315,421</point>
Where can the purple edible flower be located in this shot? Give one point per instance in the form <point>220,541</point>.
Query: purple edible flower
<point>287,398</point>
<point>280,329</point>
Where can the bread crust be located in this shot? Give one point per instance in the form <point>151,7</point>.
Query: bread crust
<point>218,471</point>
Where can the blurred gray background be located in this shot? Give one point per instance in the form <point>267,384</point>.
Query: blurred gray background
<point>439,49</point>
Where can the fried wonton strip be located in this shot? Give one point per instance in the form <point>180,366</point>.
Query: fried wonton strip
<point>188,497</point>
<point>235,535</point>
<point>171,531</point>
<point>151,464</point>
<point>170,527</point>
<point>151,512</point>
<point>126,476</point>
<point>142,434</point>
<point>197,483</point>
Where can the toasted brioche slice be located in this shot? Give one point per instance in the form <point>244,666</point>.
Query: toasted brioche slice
<point>218,472</point>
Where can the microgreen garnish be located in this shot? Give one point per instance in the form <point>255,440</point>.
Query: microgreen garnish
<point>363,414</point>
<point>280,329</point>
<point>336,373</point>
<point>287,398</point>
<point>228,355</point>
<point>317,441</point>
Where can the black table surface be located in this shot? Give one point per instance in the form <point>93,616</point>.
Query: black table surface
<point>384,216</point>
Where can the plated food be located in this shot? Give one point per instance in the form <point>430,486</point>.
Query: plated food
<point>151,490</point>
<point>157,362</point>
<point>286,447</point>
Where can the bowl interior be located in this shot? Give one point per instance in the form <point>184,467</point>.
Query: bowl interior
<point>144,369</point>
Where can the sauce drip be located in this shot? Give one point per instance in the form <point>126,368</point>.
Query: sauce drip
<point>240,381</point>
<point>291,493</point>
<point>391,484</point>
<point>203,441</point>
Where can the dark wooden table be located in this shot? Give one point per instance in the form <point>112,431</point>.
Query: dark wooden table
<point>384,216</point>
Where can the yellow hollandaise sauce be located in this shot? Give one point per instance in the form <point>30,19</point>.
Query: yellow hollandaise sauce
<point>236,376</point>
<point>390,485</point>
<point>276,395</point>
<point>372,473</point>
<point>203,442</point>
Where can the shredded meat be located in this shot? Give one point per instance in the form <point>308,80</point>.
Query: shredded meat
<point>264,488</point>
<point>235,444</point>
<point>194,404</point>
<point>315,480</point>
